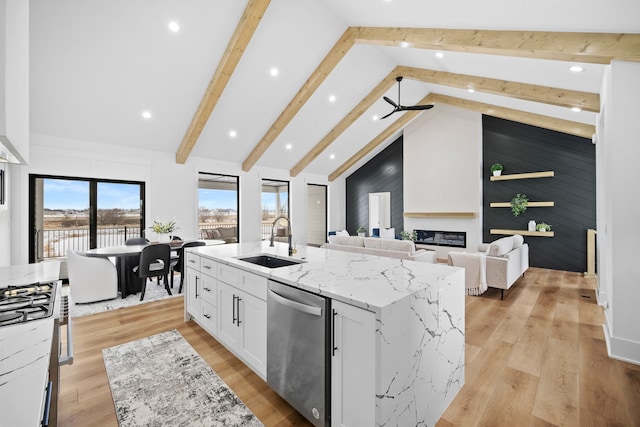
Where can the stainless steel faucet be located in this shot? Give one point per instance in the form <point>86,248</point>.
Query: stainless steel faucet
<point>288,232</point>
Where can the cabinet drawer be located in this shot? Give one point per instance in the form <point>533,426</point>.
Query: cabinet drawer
<point>255,285</point>
<point>209,318</point>
<point>193,260</point>
<point>209,289</point>
<point>229,275</point>
<point>209,267</point>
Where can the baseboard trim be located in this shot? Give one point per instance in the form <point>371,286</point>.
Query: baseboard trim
<point>621,349</point>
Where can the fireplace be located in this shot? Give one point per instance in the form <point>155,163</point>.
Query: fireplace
<point>456,239</point>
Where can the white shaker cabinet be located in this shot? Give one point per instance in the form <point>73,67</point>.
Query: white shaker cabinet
<point>201,292</point>
<point>193,286</point>
<point>353,373</point>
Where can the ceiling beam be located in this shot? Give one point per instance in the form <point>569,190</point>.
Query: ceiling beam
<point>347,121</point>
<point>548,95</point>
<point>546,122</point>
<point>245,29</point>
<point>335,55</point>
<point>382,137</point>
<point>598,48</point>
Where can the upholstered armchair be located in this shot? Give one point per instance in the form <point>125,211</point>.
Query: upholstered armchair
<point>91,279</point>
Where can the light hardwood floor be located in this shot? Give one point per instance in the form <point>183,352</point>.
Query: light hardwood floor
<point>537,358</point>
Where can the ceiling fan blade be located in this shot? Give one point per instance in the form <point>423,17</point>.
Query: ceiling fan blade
<point>415,107</point>
<point>384,117</point>
<point>390,102</point>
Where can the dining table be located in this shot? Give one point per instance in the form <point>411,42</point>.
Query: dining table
<point>128,256</point>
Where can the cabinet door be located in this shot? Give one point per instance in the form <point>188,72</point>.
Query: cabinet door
<point>228,329</point>
<point>209,317</point>
<point>193,292</point>
<point>253,339</point>
<point>353,367</point>
<point>209,286</point>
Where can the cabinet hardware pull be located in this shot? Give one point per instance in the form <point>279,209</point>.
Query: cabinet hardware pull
<point>207,316</point>
<point>333,333</point>
<point>196,287</point>
<point>238,304</point>
<point>207,289</point>
<point>234,308</point>
<point>208,267</point>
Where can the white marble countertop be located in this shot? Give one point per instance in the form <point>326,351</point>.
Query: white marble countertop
<point>25,274</point>
<point>365,281</point>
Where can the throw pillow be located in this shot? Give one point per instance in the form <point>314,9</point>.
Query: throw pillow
<point>501,246</point>
<point>518,240</point>
<point>388,233</point>
<point>342,233</point>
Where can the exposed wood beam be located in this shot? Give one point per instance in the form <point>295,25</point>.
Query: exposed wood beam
<point>382,137</point>
<point>245,29</point>
<point>598,48</point>
<point>553,123</point>
<point>327,65</point>
<point>548,95</point>
<point>347,121</point>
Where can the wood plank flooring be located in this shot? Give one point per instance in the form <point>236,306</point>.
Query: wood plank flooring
<point>536,358</point>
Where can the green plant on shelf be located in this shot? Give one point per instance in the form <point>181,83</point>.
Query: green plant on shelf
<point>163,227</point>
<point>519,204</point>
<point>543,227</point>
<point>496,167</point>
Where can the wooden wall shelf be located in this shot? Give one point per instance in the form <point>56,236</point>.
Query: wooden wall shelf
<point>523,232</point>
<point>529,175</point>
<point>439,214</point>
<point>529,204</point>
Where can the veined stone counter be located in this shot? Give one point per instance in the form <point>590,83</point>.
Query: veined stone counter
<point>419,310</point>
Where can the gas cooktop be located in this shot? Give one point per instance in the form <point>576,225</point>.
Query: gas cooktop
<point>24,303</point>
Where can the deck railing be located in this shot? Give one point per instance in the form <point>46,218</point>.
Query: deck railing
<point>56,243</point>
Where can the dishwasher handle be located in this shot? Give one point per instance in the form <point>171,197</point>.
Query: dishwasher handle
<point>309,309</point>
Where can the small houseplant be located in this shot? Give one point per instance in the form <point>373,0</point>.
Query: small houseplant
<point>519,204</point>
<point>163,229</point>
<point>406,235</point>
<point>361,231</point>
<point>543,227</point>
<point>496,169</point>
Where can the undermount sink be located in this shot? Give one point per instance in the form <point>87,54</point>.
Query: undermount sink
<point>270,261</point>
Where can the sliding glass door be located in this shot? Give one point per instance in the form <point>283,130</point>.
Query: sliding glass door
<point>80,214</point>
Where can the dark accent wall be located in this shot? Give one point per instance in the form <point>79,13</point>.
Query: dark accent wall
<point>381,174</point>
<point>522,148</point>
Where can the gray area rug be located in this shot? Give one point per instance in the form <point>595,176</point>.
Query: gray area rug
<point>153,293</point>
<point>161,381</point>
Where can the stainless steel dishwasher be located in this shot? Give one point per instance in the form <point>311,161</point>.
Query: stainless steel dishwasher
<point>298,350</point>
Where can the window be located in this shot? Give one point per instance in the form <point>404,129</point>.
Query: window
<point>80,214</point>
<point>275,203</point>
<point>218,207</point>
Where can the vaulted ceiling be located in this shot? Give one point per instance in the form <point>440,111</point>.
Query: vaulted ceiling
<point>97,66</point>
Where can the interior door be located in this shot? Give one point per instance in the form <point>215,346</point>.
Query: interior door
<point>379,211</point>
<point>316,214</point>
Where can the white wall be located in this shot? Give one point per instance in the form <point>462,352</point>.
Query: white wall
<point>171,189</point>
<point>618,227</point>
<point>443,172</point>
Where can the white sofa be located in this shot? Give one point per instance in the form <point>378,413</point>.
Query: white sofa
<point>504,261</point>
<point>401,249</point>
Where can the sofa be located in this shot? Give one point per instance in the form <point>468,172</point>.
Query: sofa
<point>228,234</point>
<point>401,249</point>
<point>502,262</point>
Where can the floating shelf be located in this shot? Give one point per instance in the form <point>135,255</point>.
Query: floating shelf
<point>439,214</point>
<point>522,232</point>
<point>530,175</point>
<point>529,204</point>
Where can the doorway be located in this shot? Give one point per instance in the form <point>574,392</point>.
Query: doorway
<point>316,214</point>
<point>379,211</point>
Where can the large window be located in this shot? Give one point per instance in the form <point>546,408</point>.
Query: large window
<point>275,203</point>
<point>218,213</point>
<point>80,214</point>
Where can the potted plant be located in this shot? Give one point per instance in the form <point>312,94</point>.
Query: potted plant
<point>405,235</point>
<point>361,231</point>
<point>543,227</point>
<point>519,204</point>
<point>496,169</point>
<point>163,229</point>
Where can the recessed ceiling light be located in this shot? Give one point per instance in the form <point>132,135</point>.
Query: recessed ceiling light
<point>375,117</point>
<point>439,55</point>
<point>288,146</point>
<point>146,114</point>
<point>332,98</point>
<point>273,71</point>
<point>471,90</point>
<point>333,156</point>
<point>233,133</point>
<point>576,68</point>
<point>576,109</point>
<point>174,26</point>
<point>405,44</point>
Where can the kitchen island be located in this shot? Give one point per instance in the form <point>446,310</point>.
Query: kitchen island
<point>401,324</point>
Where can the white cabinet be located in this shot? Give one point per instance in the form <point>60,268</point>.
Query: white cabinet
<point>353,367</point>
<point>242,317</point>
<point>201,292</point>
<point>193,286</point>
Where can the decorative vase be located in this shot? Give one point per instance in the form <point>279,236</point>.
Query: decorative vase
<point>532,225</point>
<point>164,238</point>
<point>360,234</point>
<point>497,173</point>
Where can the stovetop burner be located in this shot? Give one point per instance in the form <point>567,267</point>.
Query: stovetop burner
<point>27,302</point>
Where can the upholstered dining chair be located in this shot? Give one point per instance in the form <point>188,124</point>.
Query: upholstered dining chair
<point>137,241</point>
<point>154,262</point>
<point>178,266</point>
<point>91,279</point>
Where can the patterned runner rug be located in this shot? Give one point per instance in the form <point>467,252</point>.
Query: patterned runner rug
<point>161,381</point>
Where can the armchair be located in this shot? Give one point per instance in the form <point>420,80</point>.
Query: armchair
<point>91,279</point>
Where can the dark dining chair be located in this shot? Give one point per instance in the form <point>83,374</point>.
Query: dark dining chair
<point>136,241</point>
<point>155,261</point>
<point>179,264</point>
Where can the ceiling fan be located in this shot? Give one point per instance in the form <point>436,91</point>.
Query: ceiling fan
<point>399,107</point>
